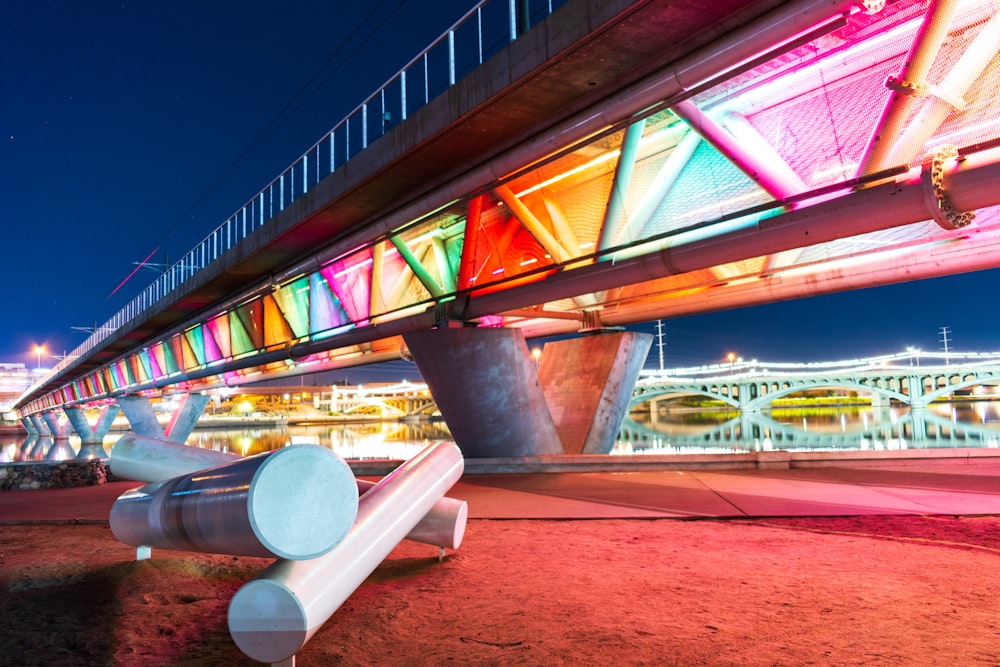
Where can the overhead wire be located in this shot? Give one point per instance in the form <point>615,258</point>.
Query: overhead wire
<point>278,120</point>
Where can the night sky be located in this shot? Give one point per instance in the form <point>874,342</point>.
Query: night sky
<point>133,129</point>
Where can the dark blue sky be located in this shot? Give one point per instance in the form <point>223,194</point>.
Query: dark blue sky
<point>128,127</point>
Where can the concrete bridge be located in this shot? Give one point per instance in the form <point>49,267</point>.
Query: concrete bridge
<point>600,165</point>
<point>911,378</point>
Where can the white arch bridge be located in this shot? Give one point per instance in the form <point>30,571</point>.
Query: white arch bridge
<point>913,378</point>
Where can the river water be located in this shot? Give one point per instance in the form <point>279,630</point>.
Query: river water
<point>943,425</point>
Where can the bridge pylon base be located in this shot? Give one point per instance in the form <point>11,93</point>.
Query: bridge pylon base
<point>588,382</point>
<point>91,436</point>
<point>498,401</point>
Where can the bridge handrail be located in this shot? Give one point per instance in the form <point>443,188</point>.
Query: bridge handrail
<point>251,215</point>
<point>889,362</point>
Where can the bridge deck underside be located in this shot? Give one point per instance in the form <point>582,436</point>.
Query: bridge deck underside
<point>485,206</point>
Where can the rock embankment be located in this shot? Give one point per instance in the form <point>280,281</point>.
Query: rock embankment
<point>52,474</point>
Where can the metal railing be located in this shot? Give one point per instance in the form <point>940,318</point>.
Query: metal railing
<point>483,31</point>
<point>916,361</point>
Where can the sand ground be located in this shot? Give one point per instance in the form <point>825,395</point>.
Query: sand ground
<point>877,590</point>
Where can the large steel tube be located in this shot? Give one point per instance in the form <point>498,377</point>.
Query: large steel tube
<point>273,616</point>
<point>145,459</point>
<point>443,525</point>
<point>151,460</point>
<point>296,502</point>
<point>908,85</point>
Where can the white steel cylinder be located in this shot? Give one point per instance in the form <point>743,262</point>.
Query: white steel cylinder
<point>297,503</point>
<point>151,460</point>
<point>443,525</point>
<point>273,616</point>
<point>145,459</point>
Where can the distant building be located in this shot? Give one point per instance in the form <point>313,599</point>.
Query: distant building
<point>14,380</point>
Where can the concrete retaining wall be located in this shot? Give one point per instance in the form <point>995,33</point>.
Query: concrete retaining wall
<point>769,460</point>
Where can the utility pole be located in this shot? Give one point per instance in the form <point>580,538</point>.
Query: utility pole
<point>945,333</point>
<point>659,341</point>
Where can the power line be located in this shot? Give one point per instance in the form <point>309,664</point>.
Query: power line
<point>283,116</point>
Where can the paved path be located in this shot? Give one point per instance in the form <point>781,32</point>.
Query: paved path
<point>952,486</point>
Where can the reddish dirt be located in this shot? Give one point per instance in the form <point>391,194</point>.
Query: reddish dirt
<point>847,591</point>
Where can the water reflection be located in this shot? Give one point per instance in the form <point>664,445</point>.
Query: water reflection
<point>944,425</point>
<point>367,440</point>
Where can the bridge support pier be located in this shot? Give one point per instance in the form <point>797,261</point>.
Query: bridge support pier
<point>29,426</point>
<point>40,427</point>
<point>499,402</point>
<point>92,437</point>
<point>141,418</point>
<point>59,430</point>
<point>587,383</point>
<point>485,383</point>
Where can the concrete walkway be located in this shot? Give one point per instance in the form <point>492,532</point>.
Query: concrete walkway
<point>944,486</point>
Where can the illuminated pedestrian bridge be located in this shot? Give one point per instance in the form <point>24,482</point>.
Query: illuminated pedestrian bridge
<point>572,171</point>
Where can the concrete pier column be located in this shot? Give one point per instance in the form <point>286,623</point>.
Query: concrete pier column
<point>183,421</point>
<point>143,421</point>
<point>587,383</point>
<point>40,426</point>
<point>29,425</point>
<point>139,412</point>
<point>58,429</point>
<point>90,435</point>
<point>915,390</point>
<point>743,396</point>
<point>879,401</point>
<point>485,383</point>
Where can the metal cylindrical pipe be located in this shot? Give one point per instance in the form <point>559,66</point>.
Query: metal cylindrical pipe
<point>297,503</point>
<point>273,616</point>
<point>151,460</point>
<point>146,459</point>
<point>926,44</point>
<point>938,106</point>
<point>443,525</point>
<point>756,159</point>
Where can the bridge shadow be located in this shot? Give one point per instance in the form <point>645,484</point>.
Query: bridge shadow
<point>170,610</point>
<point>592,495</point>
<point>979,480</point>
<point>53,617</point>
<point>963,533</point>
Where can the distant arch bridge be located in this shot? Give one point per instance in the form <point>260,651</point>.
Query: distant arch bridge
<point>912,378</point>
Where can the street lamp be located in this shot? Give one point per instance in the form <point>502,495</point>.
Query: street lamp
<point>732,360</point>
<point>536,352</point>
<point>38,352</point>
